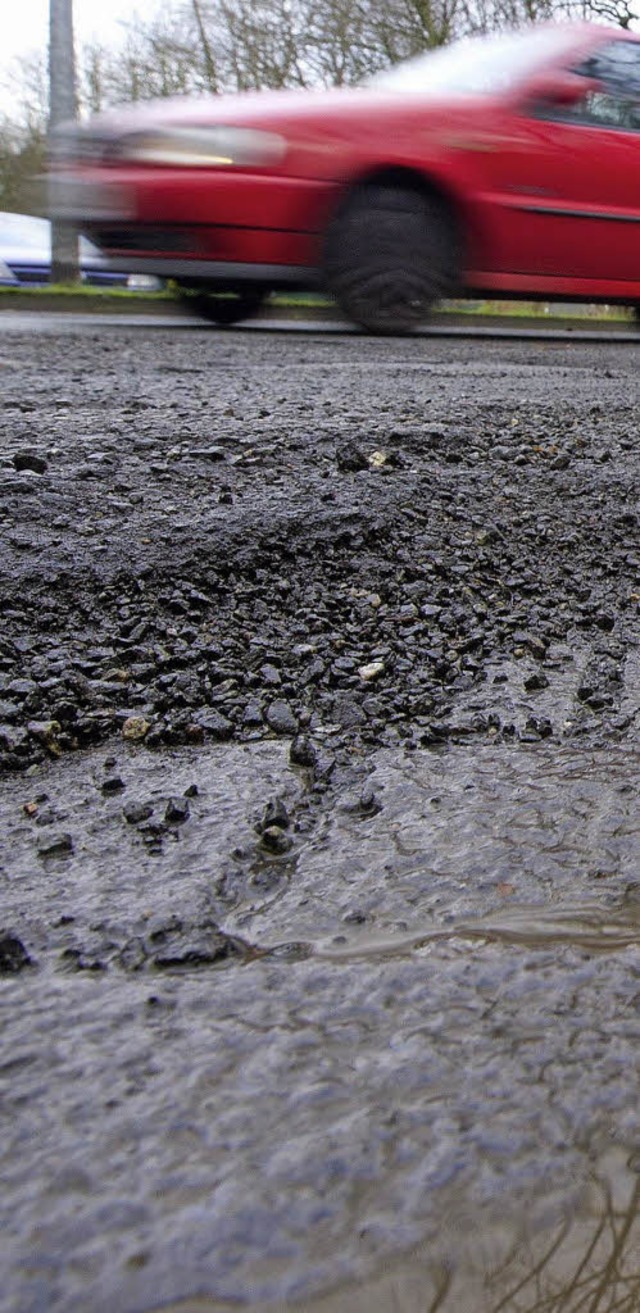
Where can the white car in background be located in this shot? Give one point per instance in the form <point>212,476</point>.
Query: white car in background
<point>7,279</point>
<point>25,257</point>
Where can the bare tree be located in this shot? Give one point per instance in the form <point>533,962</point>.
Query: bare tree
<point>239,45</point>
<point>207,53</point>
<point>194,46</point>
<point>27,82</point>
<point>22,157</point>
<point>493,15</point>
<point>342,47</point>
<point>261,42</point>
<point>94,74</point>
<point>620,12</point>
<point>162,57</point>
<point>405,27</point>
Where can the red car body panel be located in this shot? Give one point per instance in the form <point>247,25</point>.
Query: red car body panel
<point>543,207</point>
<point>219,223</point>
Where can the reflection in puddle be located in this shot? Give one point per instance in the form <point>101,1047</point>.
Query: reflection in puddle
<point>586,1263</point>
<point>581,925</point>
<point>589,1263</point>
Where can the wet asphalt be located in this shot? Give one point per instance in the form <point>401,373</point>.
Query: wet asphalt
<point>320,910</point>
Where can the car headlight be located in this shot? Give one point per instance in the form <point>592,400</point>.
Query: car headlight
<point>216,147</point>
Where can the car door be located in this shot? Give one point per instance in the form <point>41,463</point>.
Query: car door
<point>565,186</point>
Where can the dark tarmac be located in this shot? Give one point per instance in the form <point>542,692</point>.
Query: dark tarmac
<point>319,840</point>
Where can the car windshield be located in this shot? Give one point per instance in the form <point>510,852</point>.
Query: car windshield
<point>477,65</point>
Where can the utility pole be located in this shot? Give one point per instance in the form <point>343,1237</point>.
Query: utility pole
<point>62,107</point>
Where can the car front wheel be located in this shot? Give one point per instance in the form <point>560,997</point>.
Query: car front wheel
<point>223,308</point>
<point>389,255</point>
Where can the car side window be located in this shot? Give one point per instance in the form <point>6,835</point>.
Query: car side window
<point>616,104</point>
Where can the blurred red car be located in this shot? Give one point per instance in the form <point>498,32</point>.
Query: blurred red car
<point>502,166</point>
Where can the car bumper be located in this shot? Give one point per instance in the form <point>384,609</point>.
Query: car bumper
<point>214,226</point>
<point>75,199</point>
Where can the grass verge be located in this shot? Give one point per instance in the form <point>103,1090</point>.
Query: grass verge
<point>52,297</point>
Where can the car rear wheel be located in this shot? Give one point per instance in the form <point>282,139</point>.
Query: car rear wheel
<point>390,254</point>
<point>223,308</point>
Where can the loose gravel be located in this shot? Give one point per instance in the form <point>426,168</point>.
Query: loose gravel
<point>219,538</point>
<point>319,949</point>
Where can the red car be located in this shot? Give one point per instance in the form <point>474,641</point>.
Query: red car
<point>505,166</point>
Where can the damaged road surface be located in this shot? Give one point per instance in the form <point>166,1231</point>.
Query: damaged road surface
<point>320,836</point>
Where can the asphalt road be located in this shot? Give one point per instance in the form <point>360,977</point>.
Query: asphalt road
<point>466,326</point>
<point>319,838</point>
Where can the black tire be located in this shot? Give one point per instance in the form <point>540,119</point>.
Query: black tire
<point>390,254</point>
<point>223,308</point>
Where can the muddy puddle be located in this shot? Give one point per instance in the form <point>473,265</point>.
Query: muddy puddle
<point>537,847</point>
<point>588,1260</point>
<point>372,1046</point>
<point>581,926</point>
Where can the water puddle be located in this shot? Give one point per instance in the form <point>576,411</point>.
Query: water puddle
<point>587,1262</point>
<point>409,1092</point>
<point>588,926</point>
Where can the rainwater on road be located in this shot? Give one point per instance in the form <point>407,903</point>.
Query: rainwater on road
<point>320,836</point>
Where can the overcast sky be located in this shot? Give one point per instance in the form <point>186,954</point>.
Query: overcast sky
<point>25,27</point>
